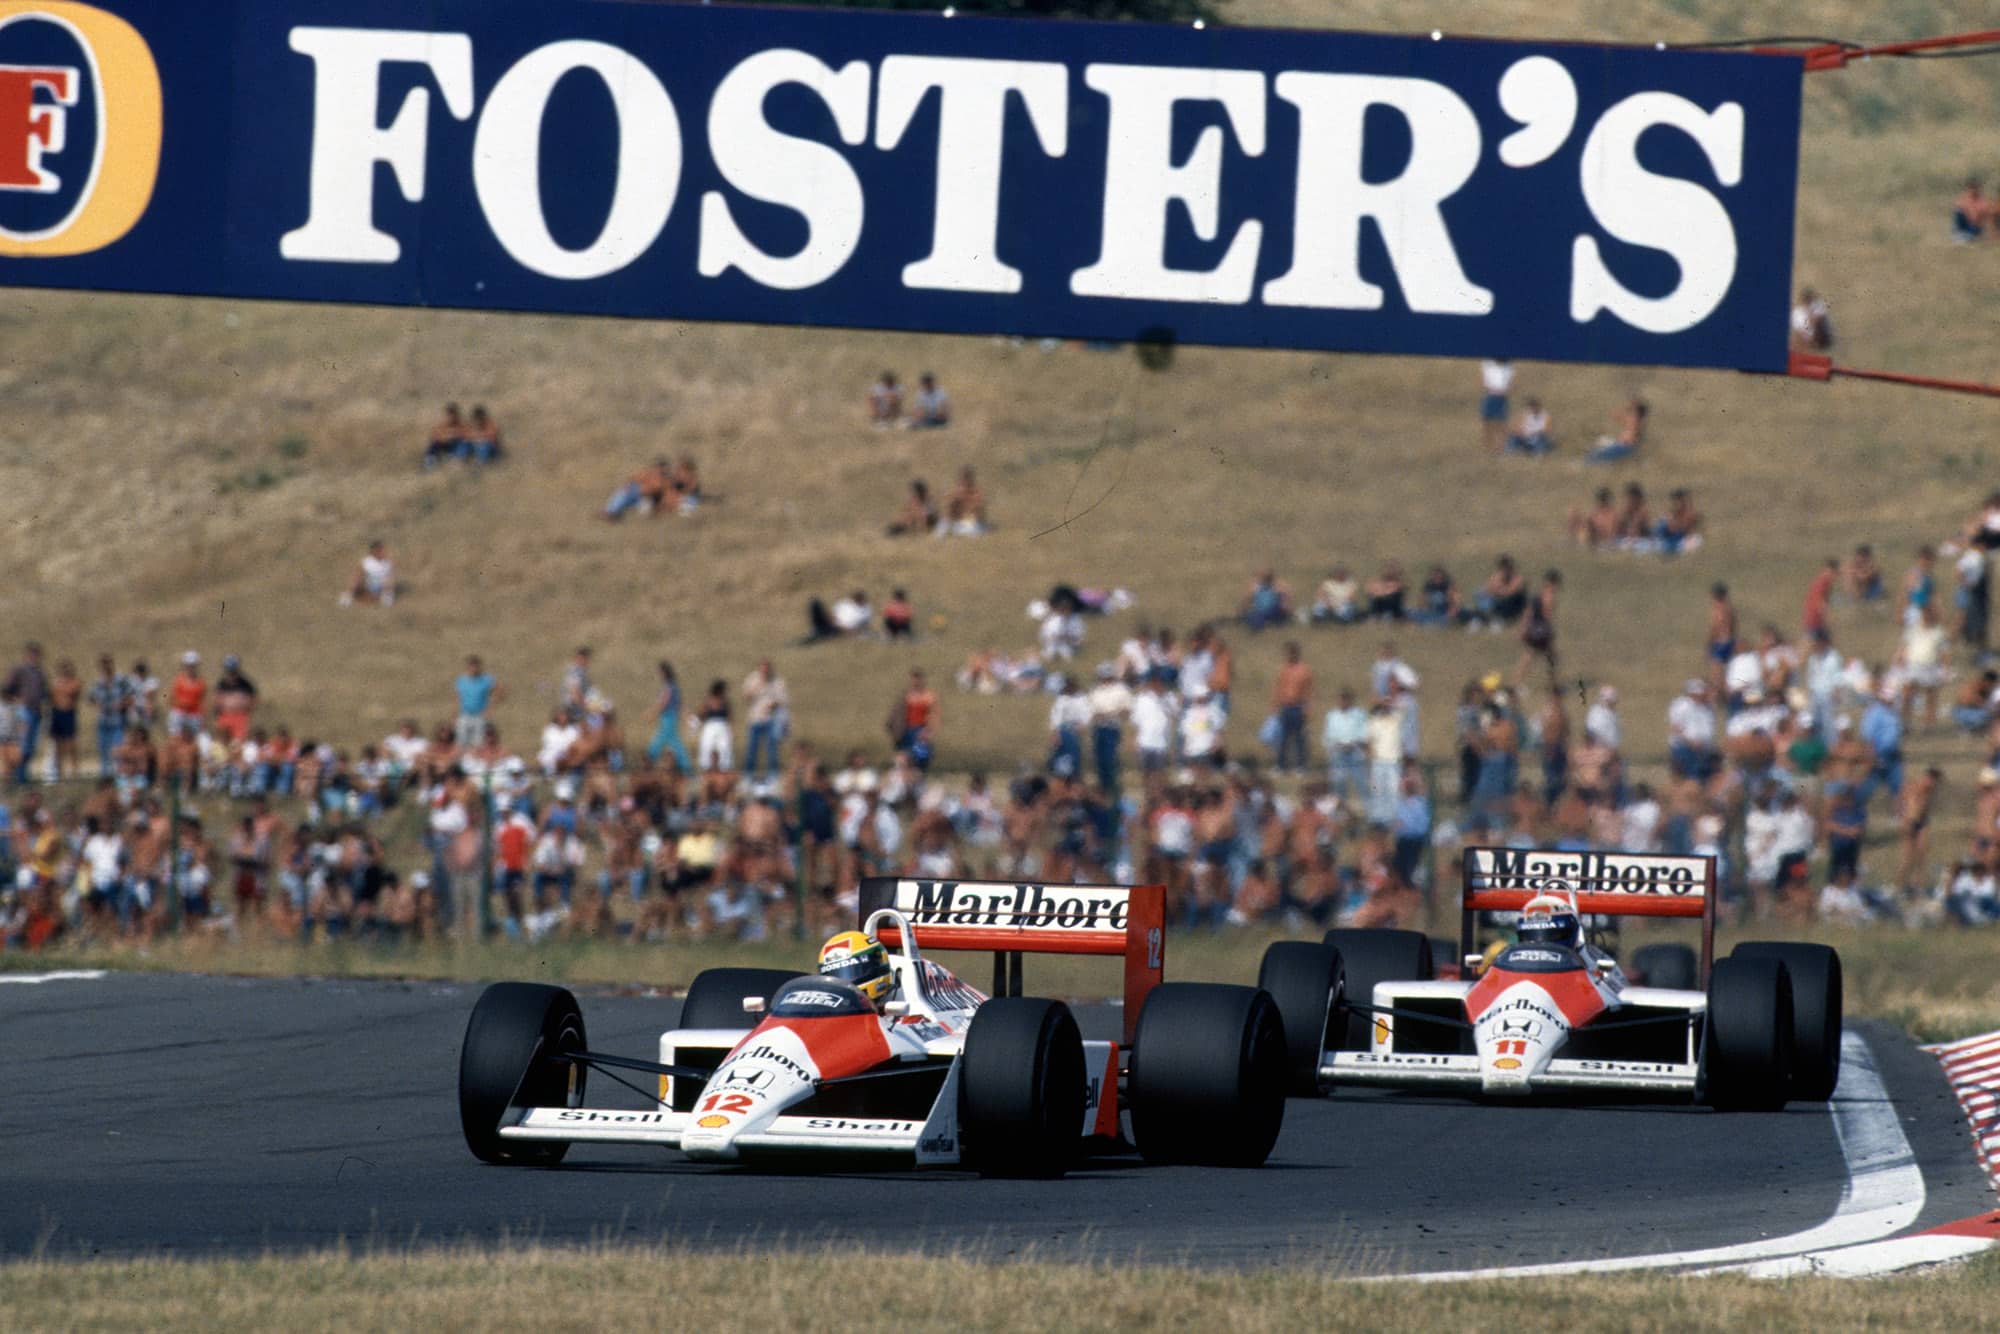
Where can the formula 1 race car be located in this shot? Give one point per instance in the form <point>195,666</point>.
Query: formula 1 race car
<point>1555,1012</point>
<point>769,1062</point>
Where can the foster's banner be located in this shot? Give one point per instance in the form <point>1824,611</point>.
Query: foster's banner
<point>1233,186</point>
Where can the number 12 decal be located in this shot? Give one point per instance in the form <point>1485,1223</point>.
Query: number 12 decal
<point>727,1102</point>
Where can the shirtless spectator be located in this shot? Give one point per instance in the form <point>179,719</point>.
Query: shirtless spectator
<point>65,693</point>
<point>1635,518</point>
<point>482,436</point>
<point>374,578</point>
<point>964,508</point>
<point>1819,596</point>
<point>899,618</point>
<point>447,438</point>
<point>1337,600</point>
<point>1721,634</point>
<point>885,401</point>
<point>919,515</point>
<point>931,406</point>
<point>1268,603</point>
<point>1503,598</point>
<point>235,700</point>
<point>1680,530</point>
<point>644,490</point>
<point>1913,818</point>
<point>1538,629</point>
<point>1630,433</point>
<point>1971,212</point>
<point>1385,593</point>
<point>1812,322</point>
<point>1531,431</point>
<point>1861,576</point>
<point>1598,525</point>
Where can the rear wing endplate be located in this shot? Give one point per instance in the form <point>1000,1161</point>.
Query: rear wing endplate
<point>1014,918</point>
<point>1613,884</point>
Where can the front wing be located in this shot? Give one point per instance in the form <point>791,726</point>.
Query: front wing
<point>1442,1071</point>
<point>785,1133</point>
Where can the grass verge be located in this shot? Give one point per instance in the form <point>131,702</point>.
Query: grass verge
<point>602,1287</point>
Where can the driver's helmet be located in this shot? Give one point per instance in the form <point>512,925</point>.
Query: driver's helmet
<point>859,961</point>
<point>1548,920</point>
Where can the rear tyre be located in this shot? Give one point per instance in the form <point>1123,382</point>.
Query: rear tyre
<point>1816,1012</point>
<point>1207,1082</point>
<point>1675,967</point>
<point>715,999</point>
<point>1370,957</point>
<point>507,1061</point>
<point>1304,979</point>
<point>1021,1089</point>
<point>1747,1035</point>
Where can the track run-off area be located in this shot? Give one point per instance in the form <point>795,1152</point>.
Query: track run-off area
<point>194,1115</point>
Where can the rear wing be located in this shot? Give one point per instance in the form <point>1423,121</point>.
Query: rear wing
<point>1012,919</point>
<point>1614,884</point>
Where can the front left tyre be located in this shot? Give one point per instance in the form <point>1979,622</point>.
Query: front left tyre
<point>1305,979</point>
<point>508,1060</point>
<point>1021,1088</point>
<point>1746,1051</point>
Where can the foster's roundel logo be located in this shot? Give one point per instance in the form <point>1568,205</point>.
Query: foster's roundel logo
<point>79,128</point>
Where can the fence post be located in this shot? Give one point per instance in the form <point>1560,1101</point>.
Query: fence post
<point>174,854</point>
<point>1430,839</point>
<point>486,859</point>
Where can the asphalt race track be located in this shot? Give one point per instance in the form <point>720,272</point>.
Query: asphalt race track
<point>183,1115</point>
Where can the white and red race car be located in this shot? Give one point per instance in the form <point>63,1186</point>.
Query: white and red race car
<point>1752,1031</point>
<point>769,1062</point>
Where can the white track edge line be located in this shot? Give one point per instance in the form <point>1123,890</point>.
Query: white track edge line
<point>69,975</point>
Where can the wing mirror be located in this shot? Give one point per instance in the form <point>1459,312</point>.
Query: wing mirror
<point>753,1005</point>
<point>1606,965</point>
<point>896,1009</point>
<point>1473,961</point>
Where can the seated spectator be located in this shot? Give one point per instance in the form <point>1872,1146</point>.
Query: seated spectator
<point>851,615</point>
<point>964,508</point>
<point>374,579</point>
<point>1268,603</point>
<point>1812,323</point>
<point>1970,212</point>
<point>932,405</point>
<point>1680,530</point>
<point>482,436</point>
<point>898,616</point>
<point>447,438</point>
<point>1503,598</point>
<point>918,515</point>
<point>1973,708</point>
<point>1597,526</point>
<point>684,486</point>
<point>1385,593</point>
<point>1630,434</point>
<point>1634,522</point>
<point>1982,530</point>
<point>645,489</point>
<point>885,401</point>
<point>1531,431</point>
<point>1437,600</point>
<point>1861,576</point>
<point>1336,602</point>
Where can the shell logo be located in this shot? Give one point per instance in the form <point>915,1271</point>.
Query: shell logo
<point>80,125</point>
<point>1381,1031</point>
<point>1506,1063</point>
<point>713,1122</point>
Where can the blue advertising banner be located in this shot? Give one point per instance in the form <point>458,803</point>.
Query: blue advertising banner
<point>791,166</point>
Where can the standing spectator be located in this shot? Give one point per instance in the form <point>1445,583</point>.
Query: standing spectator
<point>1926,657</point>
<point>1972,598</point>
<point>1496,379</point>
<point>374,579</point>
<point>576,680</point>
<point>1919,585</point>
<point>1538,631</point>
<point>1291,696</point>
<point>1413,825</point>
<point>1882,730</point>
<point>65,691</point>
<point>111,696</point>
<point>1069,715</point>
<point>235,701</point>
<point>1819,594</point>
<point>1110,703</point>
<point>765,709</point>
<point>1154,722</point>
<point>714,751</point>
<point>932,405</point>
<point>477,692</point>
<point>1385,762</point>
<point>1721,634</point>
<point>1201,730</point>
<point>885,401</point>
<point>1389,671</point>
<point>1812,322</point>
<point>1825,674</point>
<point>1345,736</point>
<point>1913,819</point>
<point>1552,727</point>
<point>1846,827</point>
<point>1531,431</point>
<point>667,723</point>
<point>914,719</point>
<point>187,698</point>
<point>30,686</point>
<point>1602,718</point>
<point>447,438</point>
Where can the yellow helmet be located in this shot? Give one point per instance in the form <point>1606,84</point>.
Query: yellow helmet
<point>862,963</point>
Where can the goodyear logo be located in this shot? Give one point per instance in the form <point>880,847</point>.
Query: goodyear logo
<point>80,114</point>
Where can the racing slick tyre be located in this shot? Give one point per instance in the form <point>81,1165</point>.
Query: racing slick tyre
<point>1208,1075</point>
<point>1746,1050</point>
<point>1675,967</point>
<point>506,1062</point>
<point>1816,1012</point>
<point>1304,979</point>
<point>715,998</point>
<point>1372,956</point>
<point>1021,1088</point>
